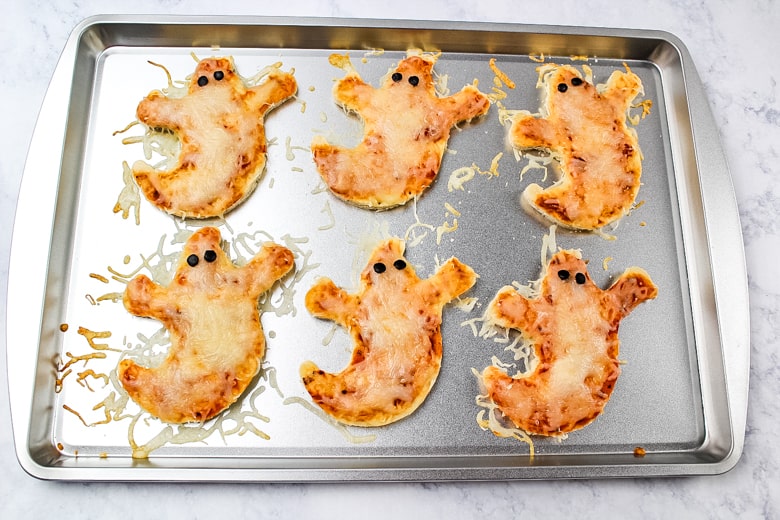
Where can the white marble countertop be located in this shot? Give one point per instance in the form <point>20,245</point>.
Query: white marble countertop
<point>734,47</point>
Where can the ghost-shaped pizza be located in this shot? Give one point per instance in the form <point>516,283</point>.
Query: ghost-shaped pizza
<point>406,129</point>
<point>584,128</point>
<point>573,325</point>
<point>395,323</point>
<point>217,342</point>
<point>221,130</point>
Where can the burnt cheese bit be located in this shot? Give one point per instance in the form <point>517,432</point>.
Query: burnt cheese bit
<point>562,87</point>
<point>192,260</point>
<point>414,81</point>
<point>219,75</point>
<point>563,274</point>
<point>397,76</point>
<point>399,264</point>
<point>576,82</point>
<point>210,256</point>
<point>579,278</point>
<point>379,268</point>
<point>203,81</point>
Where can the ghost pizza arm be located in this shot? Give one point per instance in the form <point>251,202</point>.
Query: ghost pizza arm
<point>511,310</point>
<point>326,300</point>
<point>451,280</point>
<point>532,132</point>
<point>352,92</point>
<point>633,287</point>
<point>623,86</point>
<point>269,265</point>
<point>277,87</point>
<point>158,110</point>
<point>145,298</point>
<point>466,104</point>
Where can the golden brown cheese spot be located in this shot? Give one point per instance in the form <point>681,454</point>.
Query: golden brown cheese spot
<point>220,125</point>
<point>217,341</point>
<point>573,325</point>
<point>599,155</point>
<point>406,129</point>
<point>395,324</point>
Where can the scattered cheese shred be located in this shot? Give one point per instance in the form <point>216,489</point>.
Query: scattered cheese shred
<point>537,162</point>
<point>500,74</point>
<point>451,209</point>
<point>331,219</point>
<point>90,336</point>
<point>460,177</point>
<point>411,236</point>
<point>98,277</point>
<point>446,227</point>
<point>465,304</point>
<point>440,82</point>
<point>74,412</point>
<point>493,170</point>
<point>130,197</point>
<point>496,95</point>
<point>82,378</point>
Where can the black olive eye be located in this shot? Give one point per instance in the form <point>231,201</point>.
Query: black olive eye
<point>562,87</point>
<point>563,274</point>
<point>580,278</point>
<point>399,264</point>
<point>397,76</point>
<point>219,75</point>
<point>192,260</point>
<point>576,82</point>
<point>414,80</point>
<point>210,256</point>
<point>203,81</point>
<point>379,268</point>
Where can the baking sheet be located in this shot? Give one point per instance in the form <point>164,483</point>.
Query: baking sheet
<point>681,395</point>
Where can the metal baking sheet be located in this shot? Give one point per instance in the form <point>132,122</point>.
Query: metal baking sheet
<point>682,394</point>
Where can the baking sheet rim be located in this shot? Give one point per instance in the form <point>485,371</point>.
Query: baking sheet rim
<point>51,113</point>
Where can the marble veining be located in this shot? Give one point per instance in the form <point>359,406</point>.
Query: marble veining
<point>734,46</point>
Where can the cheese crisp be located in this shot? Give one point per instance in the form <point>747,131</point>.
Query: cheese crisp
<point>395,323</point>
<point>573,326</point>
<point>220,126</point>
<point>407,127</point>
<point>217,342</point>
<point>584,127</point>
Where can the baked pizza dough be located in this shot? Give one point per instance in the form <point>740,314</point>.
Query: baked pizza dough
<point>584,128</point>
<point>406,129</point>
<point>395,323</point>
<point>573,325</point>
<point>217,342</point>
<point>220,126</point>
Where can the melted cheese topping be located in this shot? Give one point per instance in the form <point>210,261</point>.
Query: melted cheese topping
<point>584,127</point>
<point>222,135</point>
<point>573,327</point>
<point>395,323</point>
<point>217,341</point>
<point>406,129</point>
